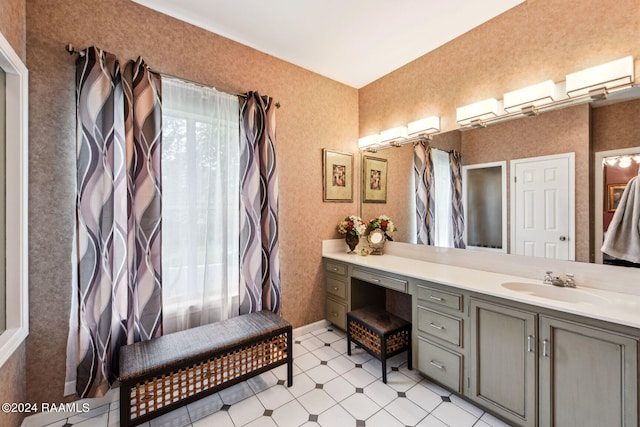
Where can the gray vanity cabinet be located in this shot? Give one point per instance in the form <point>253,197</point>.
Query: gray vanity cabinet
<point>503,361</point>
<point>588,375</point>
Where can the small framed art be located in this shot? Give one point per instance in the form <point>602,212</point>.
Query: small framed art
<point>337,176</point>
<point>374,180</point>
<point>615,192</point>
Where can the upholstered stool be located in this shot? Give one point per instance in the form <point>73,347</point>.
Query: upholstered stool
<point>380,334</point>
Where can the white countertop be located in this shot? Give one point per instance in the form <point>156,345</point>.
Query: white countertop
<point>598,304</point>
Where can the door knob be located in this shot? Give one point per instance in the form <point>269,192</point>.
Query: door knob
<point>563,238</point>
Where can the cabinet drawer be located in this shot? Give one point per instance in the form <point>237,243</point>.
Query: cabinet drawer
<point>335,268</point>
<point>379,279</point>
<point>336,313</point>
<point>439,325</point>
<point>439,364</point>
<point>337,287</point>
<point>443,298</point>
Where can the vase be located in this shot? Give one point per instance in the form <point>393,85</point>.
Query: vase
<point>352,241</point>
<point>376,241</point>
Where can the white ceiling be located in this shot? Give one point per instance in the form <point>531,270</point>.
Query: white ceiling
<point>352,41</point>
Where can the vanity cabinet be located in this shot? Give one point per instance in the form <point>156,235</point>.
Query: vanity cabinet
<point>337,293</point>
<point>588,375</point>
<point>439,329</point>
<point>503,360</point>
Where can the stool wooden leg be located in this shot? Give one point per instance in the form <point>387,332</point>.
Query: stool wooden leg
<point>383,356</point>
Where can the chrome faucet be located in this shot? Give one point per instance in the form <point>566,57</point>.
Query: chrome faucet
<point>550,279</point>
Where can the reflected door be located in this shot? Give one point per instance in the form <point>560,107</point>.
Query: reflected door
<point>542,215</point>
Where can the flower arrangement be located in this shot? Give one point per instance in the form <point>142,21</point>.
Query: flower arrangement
<point>385,224</point>
<point>352,225</point>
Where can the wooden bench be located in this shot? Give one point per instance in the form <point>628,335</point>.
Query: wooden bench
<point>164,373</point>
<point>380,334</point>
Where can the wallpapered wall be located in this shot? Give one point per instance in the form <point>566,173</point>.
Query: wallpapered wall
<point>13,372</point>
<point>316,113</point>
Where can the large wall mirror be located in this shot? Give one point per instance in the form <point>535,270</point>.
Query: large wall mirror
<point>579,132</point>
<point>14,315</point>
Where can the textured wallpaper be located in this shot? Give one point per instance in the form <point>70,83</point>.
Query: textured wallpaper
<point>316,113</point>
<point>13,372</point>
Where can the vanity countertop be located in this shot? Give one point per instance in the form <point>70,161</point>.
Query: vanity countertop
<point>598,304</point>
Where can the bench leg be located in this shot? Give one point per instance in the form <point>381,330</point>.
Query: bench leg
<point>125,405</point>
<point>410,354</point>
<point>289,358</point>
<point>383,356</point>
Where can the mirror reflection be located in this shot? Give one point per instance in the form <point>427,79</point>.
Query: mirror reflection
<point>583,131</point>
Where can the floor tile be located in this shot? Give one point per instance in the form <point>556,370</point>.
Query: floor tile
<point>481,423</point>
<point>325,353</point>
<point>291,414</point>
<point>493,421</point>
<point>306,361</point>
<point>176,418</point>
<point>339,388</point>
<point>246,411</point>
<point>423,397</point>
<point>341,364</point>
<point>329,337</point>
<point>380,393</point>
<point>359,377</point>
<point>298,350</point>
<point>321,374</point>
<point>236,393</point>
<point>274,397</point>
<point>60,423</point>
<point>435,388</point>
<point>383,419</point>
<point>406,411</point>
<point>316,401</point>
<point>336,416</point>
<point>93,413</point>
<point>262,382</point>
<point>204,407</point>
<point>340,346</point>
<point>360,356</point>
<point>312,343</point>
<point>430,421</point>
<point>262,422</point>
<point>360,406</point>
<point>301,384</point>
<point>218,419</point>
<point>453,415</point>
<point>399,381</point>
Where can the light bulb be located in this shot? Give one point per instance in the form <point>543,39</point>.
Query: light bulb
<point>611,161</point>
<point>625,162</point>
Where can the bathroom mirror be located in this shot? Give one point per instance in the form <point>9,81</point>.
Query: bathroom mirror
<point>583,129</point>
<point>14,202</point>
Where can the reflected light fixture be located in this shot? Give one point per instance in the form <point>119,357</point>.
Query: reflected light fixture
<point>624,162</point>
<point>369,141</point>
<point>610,75</point>
<point>478,111</point>
<point>398,136</point>
<point>531,96</point>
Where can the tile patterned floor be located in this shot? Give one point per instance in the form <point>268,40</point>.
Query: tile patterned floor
<point>330,389</point>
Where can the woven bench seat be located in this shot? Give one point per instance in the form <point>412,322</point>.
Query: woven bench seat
<point>161,374</point>
<point>380,334</point>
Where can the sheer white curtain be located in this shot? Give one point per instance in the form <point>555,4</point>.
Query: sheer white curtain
<point>200,206</point>
<point>443,233</point>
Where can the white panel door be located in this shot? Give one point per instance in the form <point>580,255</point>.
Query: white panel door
<point>542,199</point>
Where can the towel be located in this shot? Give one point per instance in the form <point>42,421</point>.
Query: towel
<point>622,239</point>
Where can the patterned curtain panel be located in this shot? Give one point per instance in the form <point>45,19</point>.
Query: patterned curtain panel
<point>259,247</point>
<point>457,213</point>
<point>423,174</point>
<point>118,214</point>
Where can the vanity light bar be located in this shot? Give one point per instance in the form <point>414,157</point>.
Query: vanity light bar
<point>427,126</point>
<point>610,75</point>
<point>478,111</point>
<point>531,96</point>
<point>394,133</point>
<point>368,141</point>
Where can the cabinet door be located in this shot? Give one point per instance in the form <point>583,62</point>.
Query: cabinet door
<point>503,361</point>
<point>588,376</point>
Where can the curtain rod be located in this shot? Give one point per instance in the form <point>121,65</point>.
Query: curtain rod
<point>73,51</point>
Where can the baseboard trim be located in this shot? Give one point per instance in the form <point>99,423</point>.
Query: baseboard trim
<point>311,327</point>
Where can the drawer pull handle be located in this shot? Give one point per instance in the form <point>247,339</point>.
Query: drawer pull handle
<point>435,298</point>
<point>436,364</point>
<point>334,268</point>
<point>375,280</point>
<point>545,348</point>
<point>530,347</point>
<point>438,327</point>
<point>335,288</point>
<point>334,314</point>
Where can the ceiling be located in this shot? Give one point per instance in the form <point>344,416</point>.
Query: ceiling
<point>352,41</point>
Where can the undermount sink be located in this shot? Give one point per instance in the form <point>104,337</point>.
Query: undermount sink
<point>554,293</point>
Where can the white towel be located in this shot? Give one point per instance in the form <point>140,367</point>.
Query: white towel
<point>622,239</point>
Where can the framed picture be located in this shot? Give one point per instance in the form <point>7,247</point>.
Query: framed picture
<point>374,180</point>
<point>337,176</point>
<point>615,192</point>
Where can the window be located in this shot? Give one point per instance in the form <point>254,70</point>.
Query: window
<point>200,205</point>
